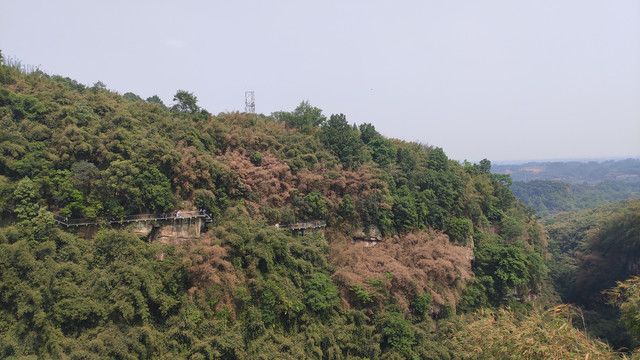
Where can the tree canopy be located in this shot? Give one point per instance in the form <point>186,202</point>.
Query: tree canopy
<point>452,237</point>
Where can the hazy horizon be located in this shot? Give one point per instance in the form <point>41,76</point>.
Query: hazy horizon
<point>581,160</point>
<point>499,80</point>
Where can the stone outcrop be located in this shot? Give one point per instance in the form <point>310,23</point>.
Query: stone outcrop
<point>185,228</point>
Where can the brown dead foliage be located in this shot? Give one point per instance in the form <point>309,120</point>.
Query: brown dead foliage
<point>193,170</point>
<point>417,262</point>
<point>246,132</point>
<point>213,277</point>
<point>357,182</point>
<point>308,181</point>
<point>334,183</point>
<point>271,181</point>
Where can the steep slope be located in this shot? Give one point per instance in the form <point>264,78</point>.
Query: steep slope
<point>592,250</point>
<point>246,288</point>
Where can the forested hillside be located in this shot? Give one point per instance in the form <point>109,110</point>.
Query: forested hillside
<point>454,238</point>
<point>548,197</point>
<point>592,250</point>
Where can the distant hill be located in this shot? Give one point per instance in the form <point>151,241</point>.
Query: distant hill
<point>553,187</point>
<point>574,172</point>
<point>548,197</point>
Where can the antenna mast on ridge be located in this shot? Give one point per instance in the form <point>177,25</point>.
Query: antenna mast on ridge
<point>249,102</point>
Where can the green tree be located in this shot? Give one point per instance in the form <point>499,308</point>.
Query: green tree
<point>303,117</point>
<point>484,167</point>
<point>66,195</point>
<point>122,193</point>
<point>513,271</point>
<point>368,133</point>
<point>342,139</point>
<point>4,76</point>
<point>397,332</point>
<point>441,191</point>
<point>43,225</point>
<point>129,96</point>
<point>406,160</point>
<point>460,230</point>
<point>22,106</point>
<point>85,174</point>
<point>383,151</point>
<point>347,210</point>
<point>155,190</point>
<point>422,304</point>
<point>321,295</point>
<point>438,161</point>
<point>26,198</point>
<point>405,216</point>
<point>155,99</point>
<point>511,229</point>
<point>205,199</point>
<point>35,162</point>
<point>186,102</point>
<point>626,296</point>
<point>313,206</point>
<point>98,87</point>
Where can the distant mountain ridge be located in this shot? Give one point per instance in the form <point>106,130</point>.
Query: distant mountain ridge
<point>574,172</point>
<point>548,197</point>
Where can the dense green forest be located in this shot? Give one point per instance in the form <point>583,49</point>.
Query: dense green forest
<point>548,197</point>
<point>458,251</point>
<point>591,251</point>
<point>553,187</point>
<point>592,216</point>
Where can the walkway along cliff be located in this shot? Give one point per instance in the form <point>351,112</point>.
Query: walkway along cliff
<point>178,225</point>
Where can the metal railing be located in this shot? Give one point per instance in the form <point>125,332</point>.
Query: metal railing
<point>303,225</point>
<point>176,215</point>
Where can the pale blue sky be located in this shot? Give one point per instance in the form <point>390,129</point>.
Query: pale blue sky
<point>503,80</point>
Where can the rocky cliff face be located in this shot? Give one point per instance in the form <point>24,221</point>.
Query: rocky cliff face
<point>186,228</point>
<point>155,230</point>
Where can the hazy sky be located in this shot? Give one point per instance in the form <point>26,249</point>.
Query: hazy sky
<point>503,80</point>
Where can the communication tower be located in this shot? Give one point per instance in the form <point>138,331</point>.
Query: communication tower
<point>249,102</point>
